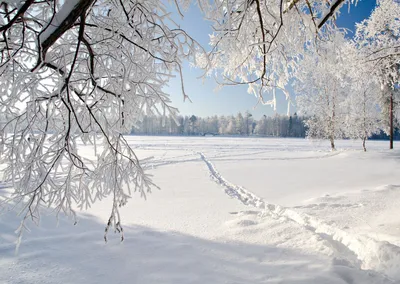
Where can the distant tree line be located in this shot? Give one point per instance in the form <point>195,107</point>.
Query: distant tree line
<point>240,125</point>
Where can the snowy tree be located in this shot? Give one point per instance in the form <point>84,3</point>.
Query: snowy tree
<point>322,86</point>
<point>240,124</point>
<point>363,115</point>
<point>181,125</point>
<point>193,124</point>
<point>260,43</point>
<point>82,71</point>
<point>378,38</point>
<point>248,123</point>
<point>261,127</point>
<point>222,125</point>
<point>231,127</point>
<point>290,126</point>
<point>298,128</point>
<point>359,102</point>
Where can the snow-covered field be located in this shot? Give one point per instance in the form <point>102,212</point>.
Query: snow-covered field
<point>230,210</point>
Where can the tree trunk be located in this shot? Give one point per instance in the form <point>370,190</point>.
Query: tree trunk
<point>391,120</point>
<point>365,122</point>
<point>332,143</point>
<point>333,122</point>
<point>364,138</point>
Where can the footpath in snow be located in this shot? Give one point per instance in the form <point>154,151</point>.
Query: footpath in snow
<point>373,254</point>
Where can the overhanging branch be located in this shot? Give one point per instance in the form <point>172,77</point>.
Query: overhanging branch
<point>61,22</point>
<point>332,11</point>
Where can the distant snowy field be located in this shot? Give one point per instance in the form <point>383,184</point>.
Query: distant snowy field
<point>230,210</point>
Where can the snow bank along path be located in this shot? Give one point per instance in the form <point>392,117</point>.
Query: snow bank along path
<point>380,256</point>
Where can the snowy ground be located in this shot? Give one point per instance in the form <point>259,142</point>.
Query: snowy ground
<point>230,210</point>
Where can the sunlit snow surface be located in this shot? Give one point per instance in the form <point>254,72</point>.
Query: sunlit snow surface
<point>230,210</point>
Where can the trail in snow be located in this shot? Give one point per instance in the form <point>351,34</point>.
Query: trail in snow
<point>233,190</point>
<point>153,163</point>
<point>380,256</point>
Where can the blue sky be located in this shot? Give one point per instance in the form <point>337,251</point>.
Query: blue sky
<point>206,101</point>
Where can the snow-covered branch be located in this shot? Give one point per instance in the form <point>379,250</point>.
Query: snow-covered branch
<point>78,74</point>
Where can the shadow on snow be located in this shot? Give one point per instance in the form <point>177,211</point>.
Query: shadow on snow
<point>63,253</point>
